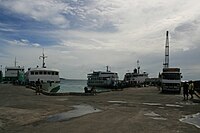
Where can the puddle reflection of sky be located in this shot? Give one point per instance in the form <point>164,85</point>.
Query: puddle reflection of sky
<point>192,119</point>
<point>79,110</point>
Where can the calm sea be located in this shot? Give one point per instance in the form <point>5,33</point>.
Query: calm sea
<point>70,85</point>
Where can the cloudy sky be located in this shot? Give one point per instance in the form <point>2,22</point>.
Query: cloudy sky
<point>80,36</point>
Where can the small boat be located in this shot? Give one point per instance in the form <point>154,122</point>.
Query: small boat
<point>49,78</point>
<point>104,79</point>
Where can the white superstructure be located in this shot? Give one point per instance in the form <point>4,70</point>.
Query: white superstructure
<point>102,79</point>
<point>135,78</point>
<point>12,72</point>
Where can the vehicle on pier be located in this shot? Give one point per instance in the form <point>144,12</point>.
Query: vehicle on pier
<point>171,80</point>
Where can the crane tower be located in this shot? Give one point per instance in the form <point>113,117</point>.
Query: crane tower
<point>166,64</point>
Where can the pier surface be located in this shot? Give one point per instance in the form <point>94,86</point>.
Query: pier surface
<point>133,110</point>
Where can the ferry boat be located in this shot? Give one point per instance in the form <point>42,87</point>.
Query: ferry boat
<point>135,78</point>
<point>49,78</point>
<point>12,73</point>
<point>104,79</point>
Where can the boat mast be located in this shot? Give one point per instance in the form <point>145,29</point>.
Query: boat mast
<point>138,66</point>
<point>15,62</point>
<point>107,68</point>
<point>43,58</point>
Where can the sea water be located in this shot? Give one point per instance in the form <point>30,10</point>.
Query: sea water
<point>71,85</point>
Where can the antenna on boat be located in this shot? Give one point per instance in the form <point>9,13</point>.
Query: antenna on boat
<point>43,58</point>
<point>107,67</point>
<point>138,66</point>
<point>15,62</point>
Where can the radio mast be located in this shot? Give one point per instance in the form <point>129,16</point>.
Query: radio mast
<point>43,58</point>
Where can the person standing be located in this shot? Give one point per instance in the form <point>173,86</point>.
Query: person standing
<point>185,90</point>
<point>93,90</point>
<point>38,85</point>
<point>191,89</point>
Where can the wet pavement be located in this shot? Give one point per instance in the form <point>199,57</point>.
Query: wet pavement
<point>79,110</point>
<point>193,119</point>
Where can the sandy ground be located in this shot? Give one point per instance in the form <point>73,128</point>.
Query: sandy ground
<point>133,110</point>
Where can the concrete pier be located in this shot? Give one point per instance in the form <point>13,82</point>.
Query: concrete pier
<point>133,110</point>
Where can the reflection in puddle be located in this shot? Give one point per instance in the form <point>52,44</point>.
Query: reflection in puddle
<point>159,118</point>
<point>187,103</point>
<point>79,110</point>
<point>117,101</point>
<point>152,104</point>
<point>173,105</point>
<point>192,119</point>
<point>62,99</point>
<point>152,114</point>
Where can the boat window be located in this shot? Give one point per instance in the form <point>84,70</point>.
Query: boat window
<point>56,73</point>
<point>32,73</point>
<point>36,73</point>
<point>52,73</point>
<point>49,73</point>
<point>45,72</point>
<point>40,72</point>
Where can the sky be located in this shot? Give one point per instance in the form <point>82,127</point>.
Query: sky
<point>81,36</point>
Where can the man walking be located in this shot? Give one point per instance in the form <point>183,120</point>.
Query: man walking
<point>185,90</point>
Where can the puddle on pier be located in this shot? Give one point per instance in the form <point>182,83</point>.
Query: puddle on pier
<point>187,103</point>
<point>159,104</point>
<point>192,119</point>
<point>152,104</point>
<point>174,105</point>
<point>119,102</point>
<point>154,116</point>
<point>79,110</point>
<point>159,118</point>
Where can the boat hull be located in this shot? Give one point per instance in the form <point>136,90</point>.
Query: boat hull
<point>103,85</point>
<point>50,87</point>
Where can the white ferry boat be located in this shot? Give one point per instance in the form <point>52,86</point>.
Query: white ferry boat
<point>49,78</point>
<point>135,78</point>
<point>105,79</point>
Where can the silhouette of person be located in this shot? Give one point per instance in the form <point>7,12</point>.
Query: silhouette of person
<point>185,90</point>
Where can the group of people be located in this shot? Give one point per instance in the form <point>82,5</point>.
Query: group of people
<point>188,88</point>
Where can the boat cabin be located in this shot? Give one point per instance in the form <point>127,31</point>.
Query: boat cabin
<point>44,74</point>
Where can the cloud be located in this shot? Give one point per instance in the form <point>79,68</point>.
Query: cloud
<point>47,11</point>
<point>84,35</point>
<point>18,43</point>
<point>21,42</point>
